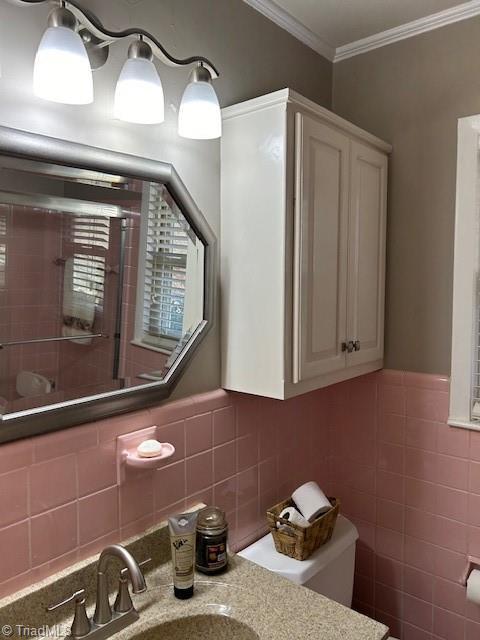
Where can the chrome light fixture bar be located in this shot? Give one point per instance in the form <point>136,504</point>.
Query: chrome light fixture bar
<point>76,42</point>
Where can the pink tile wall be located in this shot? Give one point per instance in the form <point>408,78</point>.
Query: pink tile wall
<point>410,483</point>
<point>61,502</point>
<point>28,294</point>
<point>31,298</point>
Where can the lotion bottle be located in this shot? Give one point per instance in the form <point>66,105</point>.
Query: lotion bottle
<point>182,543</point>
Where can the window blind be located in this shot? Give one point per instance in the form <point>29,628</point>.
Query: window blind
<point>89,239</point>
<point>89,276</point>
<point>3,261</point>
<point>165,269</point>
<point>3,249</point>
<point>89,232</point>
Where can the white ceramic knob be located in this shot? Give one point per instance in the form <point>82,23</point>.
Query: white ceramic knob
<point>149,449</point>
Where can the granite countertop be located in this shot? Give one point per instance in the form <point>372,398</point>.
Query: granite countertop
<point>243,603</point>
<point>262,604</point>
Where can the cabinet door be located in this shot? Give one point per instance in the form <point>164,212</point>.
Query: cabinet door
<point>366,253</point>
<point>320,252</point>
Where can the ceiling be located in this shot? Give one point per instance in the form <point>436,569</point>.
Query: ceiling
<point>335,26</point>
<point>339,22</point>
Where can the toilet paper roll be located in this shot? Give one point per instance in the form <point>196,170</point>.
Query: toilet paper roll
<point>473,587</point>
<point>292,515</point>
<point>311,501</point>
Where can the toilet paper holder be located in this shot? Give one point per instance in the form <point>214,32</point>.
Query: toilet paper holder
<point>473,563</point>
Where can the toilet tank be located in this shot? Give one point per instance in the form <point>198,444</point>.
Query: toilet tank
<point>328,571</point>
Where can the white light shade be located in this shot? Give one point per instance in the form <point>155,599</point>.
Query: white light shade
<point>62,70</point>
<point>199,116</point>
<point>139,93</point>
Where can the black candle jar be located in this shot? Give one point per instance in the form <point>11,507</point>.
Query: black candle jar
<point>212,534</point>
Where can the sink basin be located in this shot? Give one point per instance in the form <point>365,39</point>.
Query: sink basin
<point>200,627</point>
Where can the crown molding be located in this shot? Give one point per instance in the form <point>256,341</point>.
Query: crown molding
<point>408,30</point>
<point>434,21</point>
<point>281,17</point>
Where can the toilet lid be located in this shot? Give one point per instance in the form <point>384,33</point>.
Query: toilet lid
<point>263,553</point>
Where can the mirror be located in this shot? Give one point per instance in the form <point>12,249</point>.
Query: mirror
<point>105,284</point>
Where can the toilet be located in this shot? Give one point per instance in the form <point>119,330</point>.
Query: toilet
<point>30,384</point>
<point>328,571</point>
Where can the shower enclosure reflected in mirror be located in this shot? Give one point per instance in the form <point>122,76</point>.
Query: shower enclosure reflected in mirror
<point>103,285</point>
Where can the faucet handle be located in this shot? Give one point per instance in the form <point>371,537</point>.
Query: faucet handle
<point>124,573</point>
<point>123,601</point>
<point>81,623</point>
<point>77,596</point>
<point>145,562</point>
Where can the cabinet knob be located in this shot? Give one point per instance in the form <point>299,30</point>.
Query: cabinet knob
<point>356,345</point>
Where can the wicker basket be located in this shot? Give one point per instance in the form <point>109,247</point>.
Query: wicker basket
<point>300,542</point>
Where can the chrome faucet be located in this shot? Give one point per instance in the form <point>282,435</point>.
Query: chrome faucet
<point>106,622</point>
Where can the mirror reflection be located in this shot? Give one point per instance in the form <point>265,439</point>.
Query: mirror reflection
<point>101,283</point>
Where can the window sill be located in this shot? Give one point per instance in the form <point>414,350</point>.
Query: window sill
<point>142,345</point>
<point>464,424</point>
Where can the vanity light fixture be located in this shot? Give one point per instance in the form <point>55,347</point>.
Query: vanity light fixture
<point>76,42</point>
<point>199,116</point>
<point>139,92</point>
<point>62,72</point>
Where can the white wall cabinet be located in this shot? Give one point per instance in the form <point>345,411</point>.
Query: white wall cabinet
<point>303,247</point>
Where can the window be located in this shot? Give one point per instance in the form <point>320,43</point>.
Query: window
<point>89,276</point>
<point>465,378</point>
<point>165,238</point>
<point>88,240</point>
<point>3,249</point>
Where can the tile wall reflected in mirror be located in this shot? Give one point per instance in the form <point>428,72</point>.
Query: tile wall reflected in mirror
<point>101,283</point>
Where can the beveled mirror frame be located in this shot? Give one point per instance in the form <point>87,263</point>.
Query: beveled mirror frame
<point>29,146</point>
